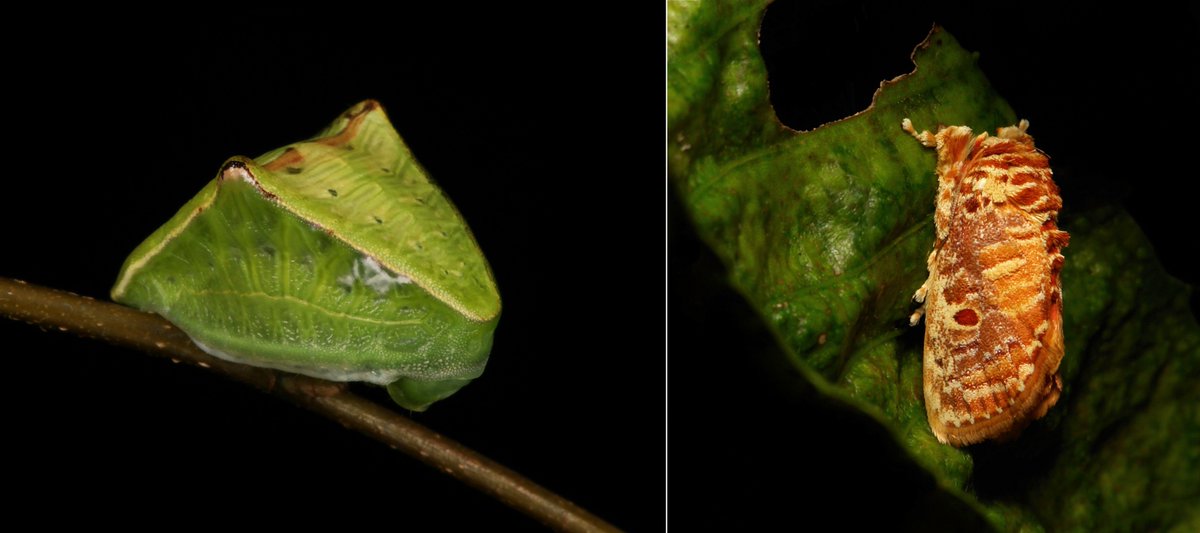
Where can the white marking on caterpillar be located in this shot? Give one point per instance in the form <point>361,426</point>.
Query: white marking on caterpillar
<point>367,270</point>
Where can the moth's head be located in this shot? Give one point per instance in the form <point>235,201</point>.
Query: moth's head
<point>1016,133</point>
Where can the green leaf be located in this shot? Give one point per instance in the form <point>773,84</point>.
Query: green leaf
<point>826,234</point>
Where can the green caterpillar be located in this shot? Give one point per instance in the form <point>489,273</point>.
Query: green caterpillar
<point>335,257</point>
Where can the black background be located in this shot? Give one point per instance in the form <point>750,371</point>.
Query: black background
<point>545,132</point>
<point>1111,95</point>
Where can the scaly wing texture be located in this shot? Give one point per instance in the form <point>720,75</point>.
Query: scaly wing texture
<point>993,336</point>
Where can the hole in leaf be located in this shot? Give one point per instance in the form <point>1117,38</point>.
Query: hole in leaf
<point>824,62</point>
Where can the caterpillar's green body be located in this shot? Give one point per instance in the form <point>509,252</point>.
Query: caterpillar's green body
<point>335,257</point>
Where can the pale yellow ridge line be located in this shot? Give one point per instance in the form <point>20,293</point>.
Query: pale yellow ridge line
<point>146,257</point>
<point>293,299</point>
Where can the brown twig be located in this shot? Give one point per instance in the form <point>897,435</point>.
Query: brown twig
<point>150,333</point>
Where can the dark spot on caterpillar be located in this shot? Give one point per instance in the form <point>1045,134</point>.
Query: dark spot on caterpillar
<point>443,234</point>
<point>333,193</point>
<point>420,200</point>
<point>348,146</point>
<point>377,220</point>
<point>291,157</point>
<point>386,170</point>
<point>265,193</point>
<point>366,107</point>
<point>170,279</point>
<point>294,170</point>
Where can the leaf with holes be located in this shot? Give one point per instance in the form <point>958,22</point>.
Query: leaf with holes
<point>826,234</point>
<point>335,257</point>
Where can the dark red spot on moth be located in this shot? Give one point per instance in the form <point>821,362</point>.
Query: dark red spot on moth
<point>966,317</point>
<point>1022,178</point>
<point>971,205</point>
<point>1027,197</point>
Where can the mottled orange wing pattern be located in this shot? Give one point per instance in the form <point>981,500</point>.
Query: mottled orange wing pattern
<point>993,300</point>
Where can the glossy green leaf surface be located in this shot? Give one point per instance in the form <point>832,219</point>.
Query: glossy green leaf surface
<point>335,257</point>
<point>826,233</point>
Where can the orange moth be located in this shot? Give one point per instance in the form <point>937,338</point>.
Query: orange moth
<point>993,300</point>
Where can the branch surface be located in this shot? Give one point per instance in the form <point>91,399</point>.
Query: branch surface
<point>150,333</point>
